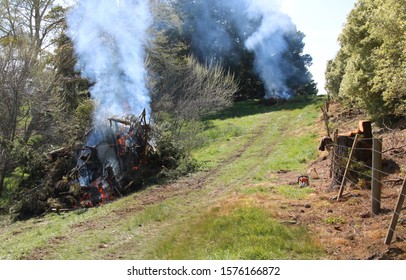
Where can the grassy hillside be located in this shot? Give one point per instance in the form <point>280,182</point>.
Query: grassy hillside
<point>227,210</point>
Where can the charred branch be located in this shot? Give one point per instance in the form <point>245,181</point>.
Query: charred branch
<point>108,168</point>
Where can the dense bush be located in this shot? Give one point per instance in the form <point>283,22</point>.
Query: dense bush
<point>369,69</point>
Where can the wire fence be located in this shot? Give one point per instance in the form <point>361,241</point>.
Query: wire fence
<point>360,174</point>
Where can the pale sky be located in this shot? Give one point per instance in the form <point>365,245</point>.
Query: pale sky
<point>321,21</point>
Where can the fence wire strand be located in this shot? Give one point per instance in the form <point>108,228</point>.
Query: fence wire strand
<point>337,162</point>
<point>371,198</point>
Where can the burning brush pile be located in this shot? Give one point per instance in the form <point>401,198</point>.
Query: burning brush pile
<point>110,165</point>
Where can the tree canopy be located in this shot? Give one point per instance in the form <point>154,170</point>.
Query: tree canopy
<point>369,70</point>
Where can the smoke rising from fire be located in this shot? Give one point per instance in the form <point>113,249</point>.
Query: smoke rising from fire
<point>109,38</point>
<point>261,27</point>
<point>268,43</point>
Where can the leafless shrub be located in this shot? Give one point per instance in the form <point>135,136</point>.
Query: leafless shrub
<point>183,91</point>
<point>193,90</point>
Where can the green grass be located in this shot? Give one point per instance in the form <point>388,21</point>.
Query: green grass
<point>334,220</point>
<point>293,192</point>
<point>262,189</point>
<point>245,233</point>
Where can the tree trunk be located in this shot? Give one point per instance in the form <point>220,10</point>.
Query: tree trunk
<point>2,177</point>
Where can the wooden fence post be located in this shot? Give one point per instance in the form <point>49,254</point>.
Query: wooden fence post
<point>376,175</point>
<point>333,156</point>
<point>326,118</point>
<point>396,214</point>
<point>340,193</point>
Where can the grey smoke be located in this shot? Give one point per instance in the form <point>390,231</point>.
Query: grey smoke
<point>260,25</point>
<point>268,43</point>
<point>109,37</point>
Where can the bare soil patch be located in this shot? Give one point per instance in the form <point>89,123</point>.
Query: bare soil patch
<point>347,228</point>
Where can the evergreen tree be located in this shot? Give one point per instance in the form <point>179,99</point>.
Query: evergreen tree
<point>369,69</point>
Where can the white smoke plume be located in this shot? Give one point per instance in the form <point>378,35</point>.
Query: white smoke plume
<point>268,44</point>
<point>261,27</point>
<point>109,37</point>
